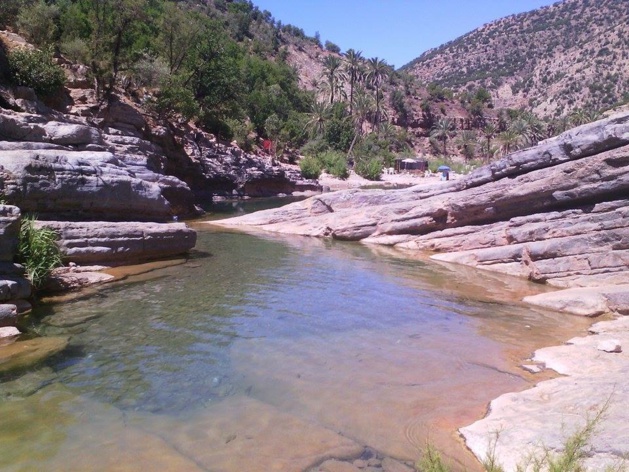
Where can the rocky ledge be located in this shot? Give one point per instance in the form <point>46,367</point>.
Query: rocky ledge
<point>556,213</point>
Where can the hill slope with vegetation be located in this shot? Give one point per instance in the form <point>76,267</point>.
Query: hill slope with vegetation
<point>572,56</point>
<point>234,71</point>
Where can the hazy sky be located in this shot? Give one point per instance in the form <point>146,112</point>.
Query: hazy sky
<point>395,30</point>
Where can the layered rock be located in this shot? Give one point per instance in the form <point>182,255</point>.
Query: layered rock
<point>67,169</point>
<point>15,289</point>
<point>120,243</point>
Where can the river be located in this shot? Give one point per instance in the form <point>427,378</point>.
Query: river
<point>265,352</point>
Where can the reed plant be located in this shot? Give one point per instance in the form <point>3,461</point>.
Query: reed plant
<point>37,251</point>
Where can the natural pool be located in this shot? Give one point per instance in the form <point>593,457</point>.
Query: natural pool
<point>266,352</point>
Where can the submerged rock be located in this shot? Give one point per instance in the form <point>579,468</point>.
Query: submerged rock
<point>23,354</point>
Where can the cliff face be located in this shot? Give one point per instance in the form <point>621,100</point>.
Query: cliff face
<point>555,213</point>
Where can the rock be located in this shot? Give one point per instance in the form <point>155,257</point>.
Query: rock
<point>338,466</point>
<point>585,301</point>
<point>240,433</point>
<point>9,332</point>
<point>8,315</point>
<point>60,165</point>
<point>120,242</point>
<point>65,279</point>
<point>14,288</point>
<point>9,233</point>
<point>71,134</point>
<point>391,465</point>
<point>23,354</point>
<point>533,368</point>
<point>609,345</point>
<point>80,184</point>
<point>544,416</point>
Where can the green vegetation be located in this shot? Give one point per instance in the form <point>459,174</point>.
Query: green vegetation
<point>310,167</point>
<point>37,70</point>
<point>37,251</point>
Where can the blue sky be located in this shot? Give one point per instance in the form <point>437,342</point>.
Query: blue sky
<point>396,30</point>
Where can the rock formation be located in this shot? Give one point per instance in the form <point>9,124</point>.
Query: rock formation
<point>556,212</point>
<point>119,243</point>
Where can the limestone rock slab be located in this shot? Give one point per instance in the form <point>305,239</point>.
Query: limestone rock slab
<point>116,243</point>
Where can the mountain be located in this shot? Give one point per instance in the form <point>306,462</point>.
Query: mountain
<point>551,61</point>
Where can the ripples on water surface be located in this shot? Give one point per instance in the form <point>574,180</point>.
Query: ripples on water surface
<point>304,335</point>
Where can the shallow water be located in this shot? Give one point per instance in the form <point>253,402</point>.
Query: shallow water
<point>267,352</point>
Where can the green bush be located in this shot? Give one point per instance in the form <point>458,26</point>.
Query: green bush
<point>310,168</point>
<point>334,163</point>
<point>37,70</point>
<point>369,168</point>
<point>37,251</point>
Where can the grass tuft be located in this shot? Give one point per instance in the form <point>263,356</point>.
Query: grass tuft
<point>38,251</point>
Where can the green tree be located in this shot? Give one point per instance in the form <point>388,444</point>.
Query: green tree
<point>355,73</point>
<point>116,26</point>
<point>442,131</point>
<point>38,22</point>
<point>333,76</point>
<point>467,141</point>
<point>179,29</point>
<point>377,72</point>
<point>318,117</point>
<point>489,132</point>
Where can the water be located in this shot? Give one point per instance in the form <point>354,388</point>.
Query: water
<point>266,352</point>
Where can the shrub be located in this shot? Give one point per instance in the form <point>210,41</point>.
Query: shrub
<point>330,46</point>
<point>310,168</point>
<point>38,22</point>
<point>315,147</point>
<point>334,163</point>
<point>37,251</point>
<point>37,70</point>
<point>369,168</point>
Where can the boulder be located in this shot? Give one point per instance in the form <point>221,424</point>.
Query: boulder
<point>9,233</point>
<point>120,243</point>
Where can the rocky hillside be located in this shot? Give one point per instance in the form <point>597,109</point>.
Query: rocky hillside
<point>571,55</point>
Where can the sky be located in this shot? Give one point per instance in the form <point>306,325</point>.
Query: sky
<point>395,30</point>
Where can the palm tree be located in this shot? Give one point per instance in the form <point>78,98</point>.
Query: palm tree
<point>580,116</point>
<point>333,75</point>
<point>467,142</point>
<point>318,118</point>
<point>442,131</point>
<point>378,71</point>
<point>363,107</point>
<point>489,132</point>
<point>509,140</point>
<point>355,73</point>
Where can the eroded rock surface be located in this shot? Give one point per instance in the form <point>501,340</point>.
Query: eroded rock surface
<point>546,415</point>
<point>119,243</point>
